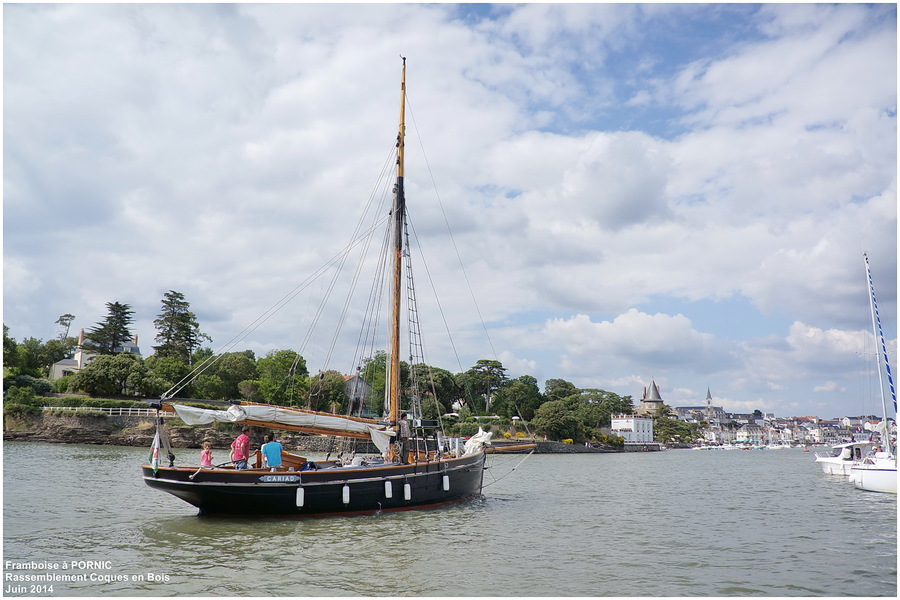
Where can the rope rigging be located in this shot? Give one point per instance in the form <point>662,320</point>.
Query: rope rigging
<point>422,388</point>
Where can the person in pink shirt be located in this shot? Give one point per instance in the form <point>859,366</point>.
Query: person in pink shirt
<point>206,455</point>
<point>240,449</point>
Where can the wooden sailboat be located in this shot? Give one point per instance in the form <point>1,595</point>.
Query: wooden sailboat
<point>430,474</point>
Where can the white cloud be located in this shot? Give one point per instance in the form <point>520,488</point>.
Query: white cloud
<point>223,151</point>
<point>657,341</point>
<point>806,351</point>
<point>829,386</point>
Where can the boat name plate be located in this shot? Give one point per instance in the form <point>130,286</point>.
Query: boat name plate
<point>279,478</point>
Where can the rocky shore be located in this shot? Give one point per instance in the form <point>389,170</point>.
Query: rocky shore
<point>139,431</point>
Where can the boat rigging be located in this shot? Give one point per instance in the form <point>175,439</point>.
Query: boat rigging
<point>433,471</point>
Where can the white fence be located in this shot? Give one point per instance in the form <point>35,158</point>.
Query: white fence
<point>114,412</point>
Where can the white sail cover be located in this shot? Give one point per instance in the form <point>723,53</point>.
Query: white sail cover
<point>477,442</point>
<point>380,435</point>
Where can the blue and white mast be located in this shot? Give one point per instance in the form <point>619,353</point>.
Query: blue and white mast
<point>882,356</point>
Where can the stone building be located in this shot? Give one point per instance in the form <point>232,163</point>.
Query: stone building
<point>650,401</point>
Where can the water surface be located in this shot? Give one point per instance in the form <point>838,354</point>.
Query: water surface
<point>676,523</point>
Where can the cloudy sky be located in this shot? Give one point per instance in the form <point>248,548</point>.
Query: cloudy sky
<point>676,192</point>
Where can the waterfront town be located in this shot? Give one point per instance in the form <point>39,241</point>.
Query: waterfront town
<point>711,425</point>
<point>756,429</point>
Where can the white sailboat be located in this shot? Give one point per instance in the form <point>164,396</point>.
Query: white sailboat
<point>878,472</point>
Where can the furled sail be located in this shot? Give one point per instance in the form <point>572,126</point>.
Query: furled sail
<point>293,419</point>
<point>477,442</point>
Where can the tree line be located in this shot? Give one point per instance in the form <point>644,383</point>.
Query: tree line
<point>560,411</point>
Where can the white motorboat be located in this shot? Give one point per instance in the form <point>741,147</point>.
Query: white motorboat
<point>842,457</point>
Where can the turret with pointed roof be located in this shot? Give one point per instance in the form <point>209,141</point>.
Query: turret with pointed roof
<point>651,401</point>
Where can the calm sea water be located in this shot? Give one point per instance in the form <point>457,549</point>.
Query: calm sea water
<point>677,523</point>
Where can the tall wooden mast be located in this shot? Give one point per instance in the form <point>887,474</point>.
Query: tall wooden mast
<point>399,212</point>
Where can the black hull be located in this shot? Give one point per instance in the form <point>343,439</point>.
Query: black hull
<point>340,490</point>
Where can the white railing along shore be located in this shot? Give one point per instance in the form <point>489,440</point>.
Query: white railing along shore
<point>114,412</point>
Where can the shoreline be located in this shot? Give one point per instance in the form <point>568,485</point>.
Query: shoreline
<point>139,432</point>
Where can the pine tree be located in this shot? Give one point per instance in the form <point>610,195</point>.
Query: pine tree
<point>178,332</point>
<point>66,322</point>
<point>112,333</point>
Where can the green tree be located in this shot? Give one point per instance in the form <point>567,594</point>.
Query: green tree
<point>668,430</point>
<point>111,375</point>
<point>249,390</point>
<point>374,372</point>
<point>600,405</point>
<point>10,350</point>
<point>328,392</point>
<point>479,383</point>
<point>663,410</point>
<point>435,387</point>
<point>31,358</point>
<point>221,380</point>
<point>167,368</point>
<point>56,350</point>
<point>65,322</point>
<point>519,397</point>
<point>488,375</point>
<point>283,378</point>
<point>178,332</point>
<point>235,367</point>
<point>557,389</point>
<point>111,334</point>
<point>22,395</point>
<point>469,396</point>
<point>37,384</point>
<point>210,387</point>
<point>556,420</point>
<point>152,386</point>
<point>201,354</point>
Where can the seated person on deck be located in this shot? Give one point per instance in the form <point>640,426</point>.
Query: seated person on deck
<point>271,451</point>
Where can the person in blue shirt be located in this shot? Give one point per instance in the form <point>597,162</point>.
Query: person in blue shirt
<point>272,451</point>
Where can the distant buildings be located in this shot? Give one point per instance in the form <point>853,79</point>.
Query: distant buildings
<point>721,427</point>
<point>767,429</point>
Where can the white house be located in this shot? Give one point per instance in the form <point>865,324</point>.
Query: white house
<point>635,429</point>
<point>70,366</point>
